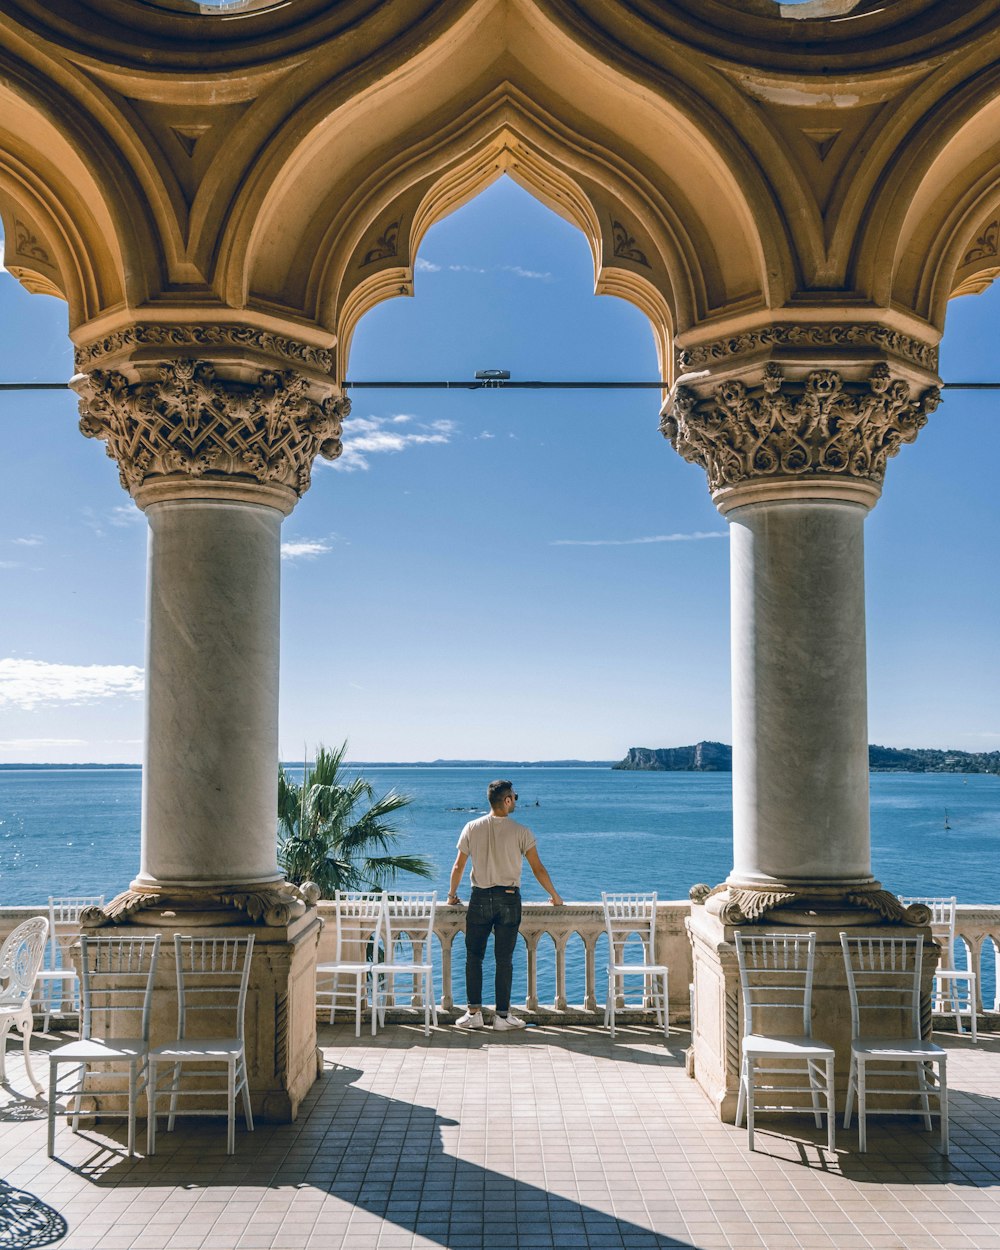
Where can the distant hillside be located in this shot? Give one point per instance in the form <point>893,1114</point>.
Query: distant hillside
<point>716,757</point>
<point>703,757</point>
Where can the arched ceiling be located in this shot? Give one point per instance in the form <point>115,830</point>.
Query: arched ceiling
<point>762,159</point>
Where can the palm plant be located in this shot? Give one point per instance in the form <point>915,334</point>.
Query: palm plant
<point>333,831</point>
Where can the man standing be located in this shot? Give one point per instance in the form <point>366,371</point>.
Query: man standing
<point>495,844</point>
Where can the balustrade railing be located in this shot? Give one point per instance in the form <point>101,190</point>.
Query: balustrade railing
<point>554,936</point>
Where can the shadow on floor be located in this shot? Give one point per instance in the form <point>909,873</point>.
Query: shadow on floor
<point>26,1221</point>
<point>381,1155</point>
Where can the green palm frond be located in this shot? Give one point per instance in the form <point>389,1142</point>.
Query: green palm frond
<point>332,829</point>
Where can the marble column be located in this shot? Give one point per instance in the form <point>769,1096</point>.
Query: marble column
<point>214,430</point>
<point>795,457</point>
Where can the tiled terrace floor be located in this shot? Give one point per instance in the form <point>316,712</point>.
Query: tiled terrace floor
<point>549,1138</point>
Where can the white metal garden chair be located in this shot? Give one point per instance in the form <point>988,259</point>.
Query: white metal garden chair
<point>408,926</point>
<point>954,987</point>
<point>57,981</point>
<point>212,979</point>
<point>883,974</point>
<point>776,983</point>
<point>344,980</point>
<point>20,959</point>
<point>627,918</point>
<point>116,992</point>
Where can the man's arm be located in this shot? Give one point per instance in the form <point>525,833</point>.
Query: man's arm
<point>456,876</point>
<point>541,876</point>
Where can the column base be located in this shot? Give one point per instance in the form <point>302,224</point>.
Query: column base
<point>718,1023</point>
<point>280,1017</point>
<point>846,904</point>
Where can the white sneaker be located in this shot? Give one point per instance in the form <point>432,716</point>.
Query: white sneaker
<point>471,1020</point>
<point>502,1023</point>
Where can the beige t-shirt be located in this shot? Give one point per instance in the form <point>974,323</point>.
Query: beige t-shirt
<point>496,845</point>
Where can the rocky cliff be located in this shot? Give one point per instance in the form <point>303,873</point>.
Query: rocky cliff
<point>703,757</point>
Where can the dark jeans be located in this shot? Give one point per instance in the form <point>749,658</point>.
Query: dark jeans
<point>499,909</point>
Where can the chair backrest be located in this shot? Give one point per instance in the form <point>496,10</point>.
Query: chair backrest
<point>64,920</point>
<point>409,914</point>
<point>942,923</point>
<point>776,977</point>
<point>20,959</point>
<point>626,915</point>
<point>358,917</point>
<point>116,984</point>
<point>212,978</point>
<point>883,973</point>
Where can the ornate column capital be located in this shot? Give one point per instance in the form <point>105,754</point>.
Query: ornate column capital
<point>785,431</point>
<point>229,411</point>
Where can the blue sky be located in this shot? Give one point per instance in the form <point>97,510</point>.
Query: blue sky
<point>500,574</point>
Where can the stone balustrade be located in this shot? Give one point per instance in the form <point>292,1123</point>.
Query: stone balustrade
<point>568,941</point>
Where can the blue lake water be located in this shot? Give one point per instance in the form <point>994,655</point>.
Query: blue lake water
<point>76,831</point>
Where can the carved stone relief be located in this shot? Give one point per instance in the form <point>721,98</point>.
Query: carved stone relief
<point>986,245</point>
<point>821,425</point>
<point>385,245</point>
<point>823,334</point>
<point>188,422</point>
<point>625,246</point>
<point>214,335</point>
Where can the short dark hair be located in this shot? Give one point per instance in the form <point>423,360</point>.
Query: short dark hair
<point>497,791</point>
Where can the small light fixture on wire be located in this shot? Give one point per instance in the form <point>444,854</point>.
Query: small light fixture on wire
<point>492,378</point>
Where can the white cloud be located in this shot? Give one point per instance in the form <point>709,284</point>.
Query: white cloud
<point>305,549</point>
<point>521,272</point>
<point>368,436</point>
<point>486,434</point>
<point>10,564</point>
<point>125,515</point>
<point>631,542</point>
<point>31,540</point>
<point>29,744</point>
<point>28,684</point>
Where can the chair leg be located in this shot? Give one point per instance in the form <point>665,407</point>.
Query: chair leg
<point>741,1100</point>
<point>831,1114</point>
<point>609,1007</point>
<point>943,1104</point>
<point>923,1085</point>
<point>151,1103</point>
<point>53,1081</point>
<point>751,1099</point>
<point>231,1106</point>
<point>131,1109</point>
<point>851,1081</point>
<point>812,1072</point>
<point>175,1081</point>
<point>247,1111</point>
<point>862,1109</point>
<point>4,1029</point>
<point>26,1027</point>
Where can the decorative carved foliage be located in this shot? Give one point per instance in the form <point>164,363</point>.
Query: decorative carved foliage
<point>824,334</point>
<point>823,425</point>
<point>747,905</point>
<point>189,423</point>
<point>213,335</point>
<point>274,906</point>
<point>987,245</point>
<point>27,244</point>
<point>385,245</point>
<point>625,246</point>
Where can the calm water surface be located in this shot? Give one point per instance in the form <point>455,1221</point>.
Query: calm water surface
<point>76,831</point>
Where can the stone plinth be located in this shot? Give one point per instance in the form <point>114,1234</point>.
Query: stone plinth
<point>718,1022</point>
<point>280,1017</point>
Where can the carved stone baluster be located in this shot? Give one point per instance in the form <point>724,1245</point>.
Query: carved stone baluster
<point>562,942</point>
<point>531,943</point>
<point>447,941</point>
<point>589,976</point>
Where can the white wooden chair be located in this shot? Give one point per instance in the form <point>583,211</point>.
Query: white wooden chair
<point>116,995</point>
<point>57,981</point>
<point>212,979</point>
<point>20,959</point>
<point>408,920</point>
<point>954,987</point>
<point>883,974</point>
<point>776,983</point>
<point>628,917</point>
<point>344,980</point>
